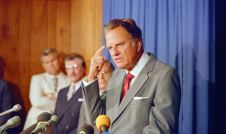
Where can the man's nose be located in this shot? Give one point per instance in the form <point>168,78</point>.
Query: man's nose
<point>114,51</point>
<point>71,71</point>
<point>51,64</point>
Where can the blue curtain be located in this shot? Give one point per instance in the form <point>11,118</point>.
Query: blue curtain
<point>180,33</point>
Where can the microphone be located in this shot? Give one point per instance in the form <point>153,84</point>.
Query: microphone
<point>11,123</point>
<point>41,127</point>
<point>103,123</point>
<point>45,116</point>
<point>15,108</point>
<point>86,129</point>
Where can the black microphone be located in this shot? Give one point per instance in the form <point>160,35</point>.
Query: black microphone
<point>86,129</point>
<point>11,123</point>
<point>15,108</point>
<point>41,127</point>
<point>45,116</point>
<point>103,123</point>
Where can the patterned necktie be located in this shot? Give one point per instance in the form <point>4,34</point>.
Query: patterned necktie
<point>55,83</point>
<point>126,84</point>
<point>73,89</point>
<point>71,92</point>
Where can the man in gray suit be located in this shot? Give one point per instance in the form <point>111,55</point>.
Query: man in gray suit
<point>143,94</point>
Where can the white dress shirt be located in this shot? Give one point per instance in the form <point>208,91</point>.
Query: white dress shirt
<point>139,66</point>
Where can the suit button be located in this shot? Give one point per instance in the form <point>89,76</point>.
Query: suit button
<point>72,114</point>
<point>67,127</point>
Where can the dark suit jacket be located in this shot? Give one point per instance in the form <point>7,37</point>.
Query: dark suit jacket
<point>5,101</point>
<point>68,112</point>
<point>151,106</point>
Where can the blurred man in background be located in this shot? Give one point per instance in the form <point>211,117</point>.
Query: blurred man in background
<point>69,99</point>
<point>103,77</point>
<point>44,87</point>
<point>5,96</point>
<point>9,96</point>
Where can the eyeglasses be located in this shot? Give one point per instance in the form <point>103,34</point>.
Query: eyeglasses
<point>103,75</point>
<point>71,66</point>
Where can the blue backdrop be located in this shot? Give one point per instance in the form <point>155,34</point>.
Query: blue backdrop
<point>180,33</point>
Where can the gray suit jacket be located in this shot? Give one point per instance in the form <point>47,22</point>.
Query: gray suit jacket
<point>151,106</point>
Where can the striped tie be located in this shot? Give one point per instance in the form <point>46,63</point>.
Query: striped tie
<point>55,83</point>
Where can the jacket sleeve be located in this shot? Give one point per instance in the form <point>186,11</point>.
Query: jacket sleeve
<point>37,97</point>
<point>165,109</point>
<point>93,104</point>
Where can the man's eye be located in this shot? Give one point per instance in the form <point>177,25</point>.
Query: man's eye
<point>120,44</point>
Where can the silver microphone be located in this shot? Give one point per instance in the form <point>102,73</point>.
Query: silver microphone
<point>86,129</point>
<point>41,127</point>
<point>11,123</point>
<point>43,117</point>
<point>15,108</point>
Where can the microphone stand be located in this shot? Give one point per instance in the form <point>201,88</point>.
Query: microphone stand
<point>4,132</point>
<point>42,130</point>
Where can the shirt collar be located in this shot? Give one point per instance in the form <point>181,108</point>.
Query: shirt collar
<point>77,85</point>
<point>140,64</point>
<point>53,76</point>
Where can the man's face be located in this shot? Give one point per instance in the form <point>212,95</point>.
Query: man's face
<point>122,47</point>
<point>104,75</point>
<point>74,69</point>
<point>51,64</point>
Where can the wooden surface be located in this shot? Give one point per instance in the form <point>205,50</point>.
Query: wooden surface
<point>28,26</point>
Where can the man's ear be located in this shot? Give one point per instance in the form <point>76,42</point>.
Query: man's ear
<point>84,72</point>
<point>139,45</point>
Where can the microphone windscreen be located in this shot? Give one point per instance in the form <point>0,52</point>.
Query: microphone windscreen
<point>54,119</point>
<point>45,116</point>
<point>17,107</point>
<point>86,129</point>
<point>102,120</point>
<point>13,122</point>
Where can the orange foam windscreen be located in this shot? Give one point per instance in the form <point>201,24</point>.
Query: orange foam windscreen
<point>102,120</point>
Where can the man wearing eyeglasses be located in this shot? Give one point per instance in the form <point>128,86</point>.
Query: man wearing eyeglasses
<point>103,76</point>
<point>69,100</point>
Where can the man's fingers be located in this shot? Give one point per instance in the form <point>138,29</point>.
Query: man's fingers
<point>97,62</point>
<point>99,51</point>
<point>99,57</point>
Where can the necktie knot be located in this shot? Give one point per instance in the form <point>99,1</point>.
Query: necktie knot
<point>73,89</point>
<point>71,92</point>
<point>129,76</point>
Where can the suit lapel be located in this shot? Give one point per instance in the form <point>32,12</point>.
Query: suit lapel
<point>114,93</point>
<point>137,85</point>
<point>68,103</point>
<point>129,95</point>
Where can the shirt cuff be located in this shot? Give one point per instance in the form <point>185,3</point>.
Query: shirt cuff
<point>86,83</point>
